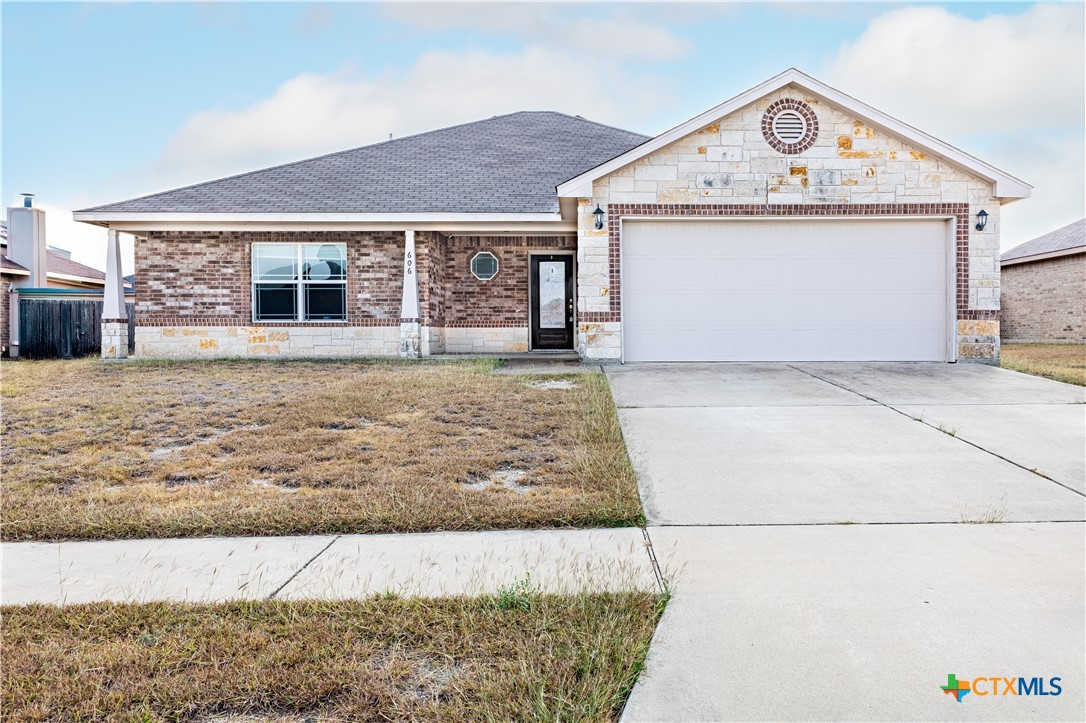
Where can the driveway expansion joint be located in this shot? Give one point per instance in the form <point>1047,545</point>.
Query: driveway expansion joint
<point>661,581</point>
<point>308,562</point>
<point>932,426</point>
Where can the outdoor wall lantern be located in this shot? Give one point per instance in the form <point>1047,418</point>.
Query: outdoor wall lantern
<point>598,213</point>
<point>982,219</point>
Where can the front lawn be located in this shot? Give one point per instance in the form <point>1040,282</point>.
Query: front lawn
<point>1062,362</point>
<point>168,449</point>
<point>518,656</point>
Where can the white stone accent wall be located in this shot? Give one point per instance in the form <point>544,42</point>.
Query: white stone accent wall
<point>730,162</point>
<point>432,340</point>
<point>187,342</point>
<point>593,265</point>
<point>469,340</point>
<point>114,339</point>
<point>600,341</point>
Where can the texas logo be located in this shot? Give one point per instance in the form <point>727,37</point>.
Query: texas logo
<point>999,686</point>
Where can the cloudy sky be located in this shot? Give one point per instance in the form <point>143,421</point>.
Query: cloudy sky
<point>107,101</point>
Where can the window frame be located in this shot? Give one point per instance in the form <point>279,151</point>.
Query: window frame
<point>497,265</point>
<point>300,283</point>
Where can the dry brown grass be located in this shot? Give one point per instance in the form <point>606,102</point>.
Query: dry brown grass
<point>1062,362</point>
<point>569,658</point>
<point>99,450</point>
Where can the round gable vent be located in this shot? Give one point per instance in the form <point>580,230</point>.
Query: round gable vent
<point>790,126</point>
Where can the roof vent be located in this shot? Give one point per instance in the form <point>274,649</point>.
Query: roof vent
<point>789,126</point>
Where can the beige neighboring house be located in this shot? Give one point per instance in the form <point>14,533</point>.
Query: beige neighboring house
<point>21,268</point>
<point>1044,287</point>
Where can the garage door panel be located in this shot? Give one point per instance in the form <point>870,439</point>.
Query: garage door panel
<point>797,290</point>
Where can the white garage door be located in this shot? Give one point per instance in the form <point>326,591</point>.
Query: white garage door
<point>804,290</point>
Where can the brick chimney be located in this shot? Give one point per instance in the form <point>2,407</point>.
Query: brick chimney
<point>26,241</point>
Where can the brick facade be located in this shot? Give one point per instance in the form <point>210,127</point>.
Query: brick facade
<point>205,279</point>
<point>194,295</point>
<point>502,301</point>
<point>728,169</point>
<point>1045,300</point>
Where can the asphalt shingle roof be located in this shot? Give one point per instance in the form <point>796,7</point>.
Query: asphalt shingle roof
<point>505,164</point>
<point>57,264</point>
<point>7,264</point>
<point>1070,236</point>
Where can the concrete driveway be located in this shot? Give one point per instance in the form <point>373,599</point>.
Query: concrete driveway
<point>813,519</point>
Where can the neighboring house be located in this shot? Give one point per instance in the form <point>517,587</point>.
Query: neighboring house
<point>791,222</point>
<point>60,272</point>
<point>1043,284</point>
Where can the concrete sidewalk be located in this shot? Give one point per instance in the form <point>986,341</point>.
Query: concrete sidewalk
<point>429,564</point>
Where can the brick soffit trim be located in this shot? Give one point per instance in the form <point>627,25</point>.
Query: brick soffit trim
<point>960,211</point>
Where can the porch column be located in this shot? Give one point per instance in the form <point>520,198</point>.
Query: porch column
<point>114,314</point>
<point>410,331</point>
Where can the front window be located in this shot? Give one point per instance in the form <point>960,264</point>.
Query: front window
<point>299,282</point>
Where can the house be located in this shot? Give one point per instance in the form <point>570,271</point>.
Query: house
<point>28,264</point>
<point>1043,284</point>
<point>791,222</point>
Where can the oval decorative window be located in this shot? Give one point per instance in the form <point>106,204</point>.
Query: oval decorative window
<point>484,266</point>
<point>790,126</point>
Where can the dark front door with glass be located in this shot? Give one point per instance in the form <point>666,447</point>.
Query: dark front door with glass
<point>552,301</point>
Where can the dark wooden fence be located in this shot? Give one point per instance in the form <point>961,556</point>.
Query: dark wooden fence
<point>63,328</point>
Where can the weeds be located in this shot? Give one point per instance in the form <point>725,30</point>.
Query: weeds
<point>1062,362</point>
<point>176,449</point>
<point>518,596</point>
<point>993,514</point>
<point>572,657</point>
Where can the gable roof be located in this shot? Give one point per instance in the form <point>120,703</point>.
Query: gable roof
<point>57,266</point>
<point>1007,187</point>
<point>8,266</point>
<point>505,164</point>
<point>1068,239</point>
<point>63,267</point>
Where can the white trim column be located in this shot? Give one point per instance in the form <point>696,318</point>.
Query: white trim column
<point>410,329</point>
<point>114,314</point>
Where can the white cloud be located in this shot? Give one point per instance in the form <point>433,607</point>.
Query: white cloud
<point>615,34</point>
<point>315,113</point>
<point>1008,88</point>
<point>957,76</point>
<point>1053,164</point>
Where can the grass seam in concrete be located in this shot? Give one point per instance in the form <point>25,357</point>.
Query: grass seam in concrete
<point>932,426</point>
<point>299,570</point>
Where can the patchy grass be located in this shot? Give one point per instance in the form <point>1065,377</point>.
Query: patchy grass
<point>557,658</point>
<point>1062,362</point>
<point>94,450</point>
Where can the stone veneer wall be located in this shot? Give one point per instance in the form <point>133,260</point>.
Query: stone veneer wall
<point>1045,300</point>
<point>728,168</point>
<point>194,295</point>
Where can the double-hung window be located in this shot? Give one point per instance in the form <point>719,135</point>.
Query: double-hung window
<point>299,282</point>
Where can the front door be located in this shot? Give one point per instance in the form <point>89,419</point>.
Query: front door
<point>552,301</point>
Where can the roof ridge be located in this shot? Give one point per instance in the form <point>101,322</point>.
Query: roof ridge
<point>588,120</point>
<point>307,160</point>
